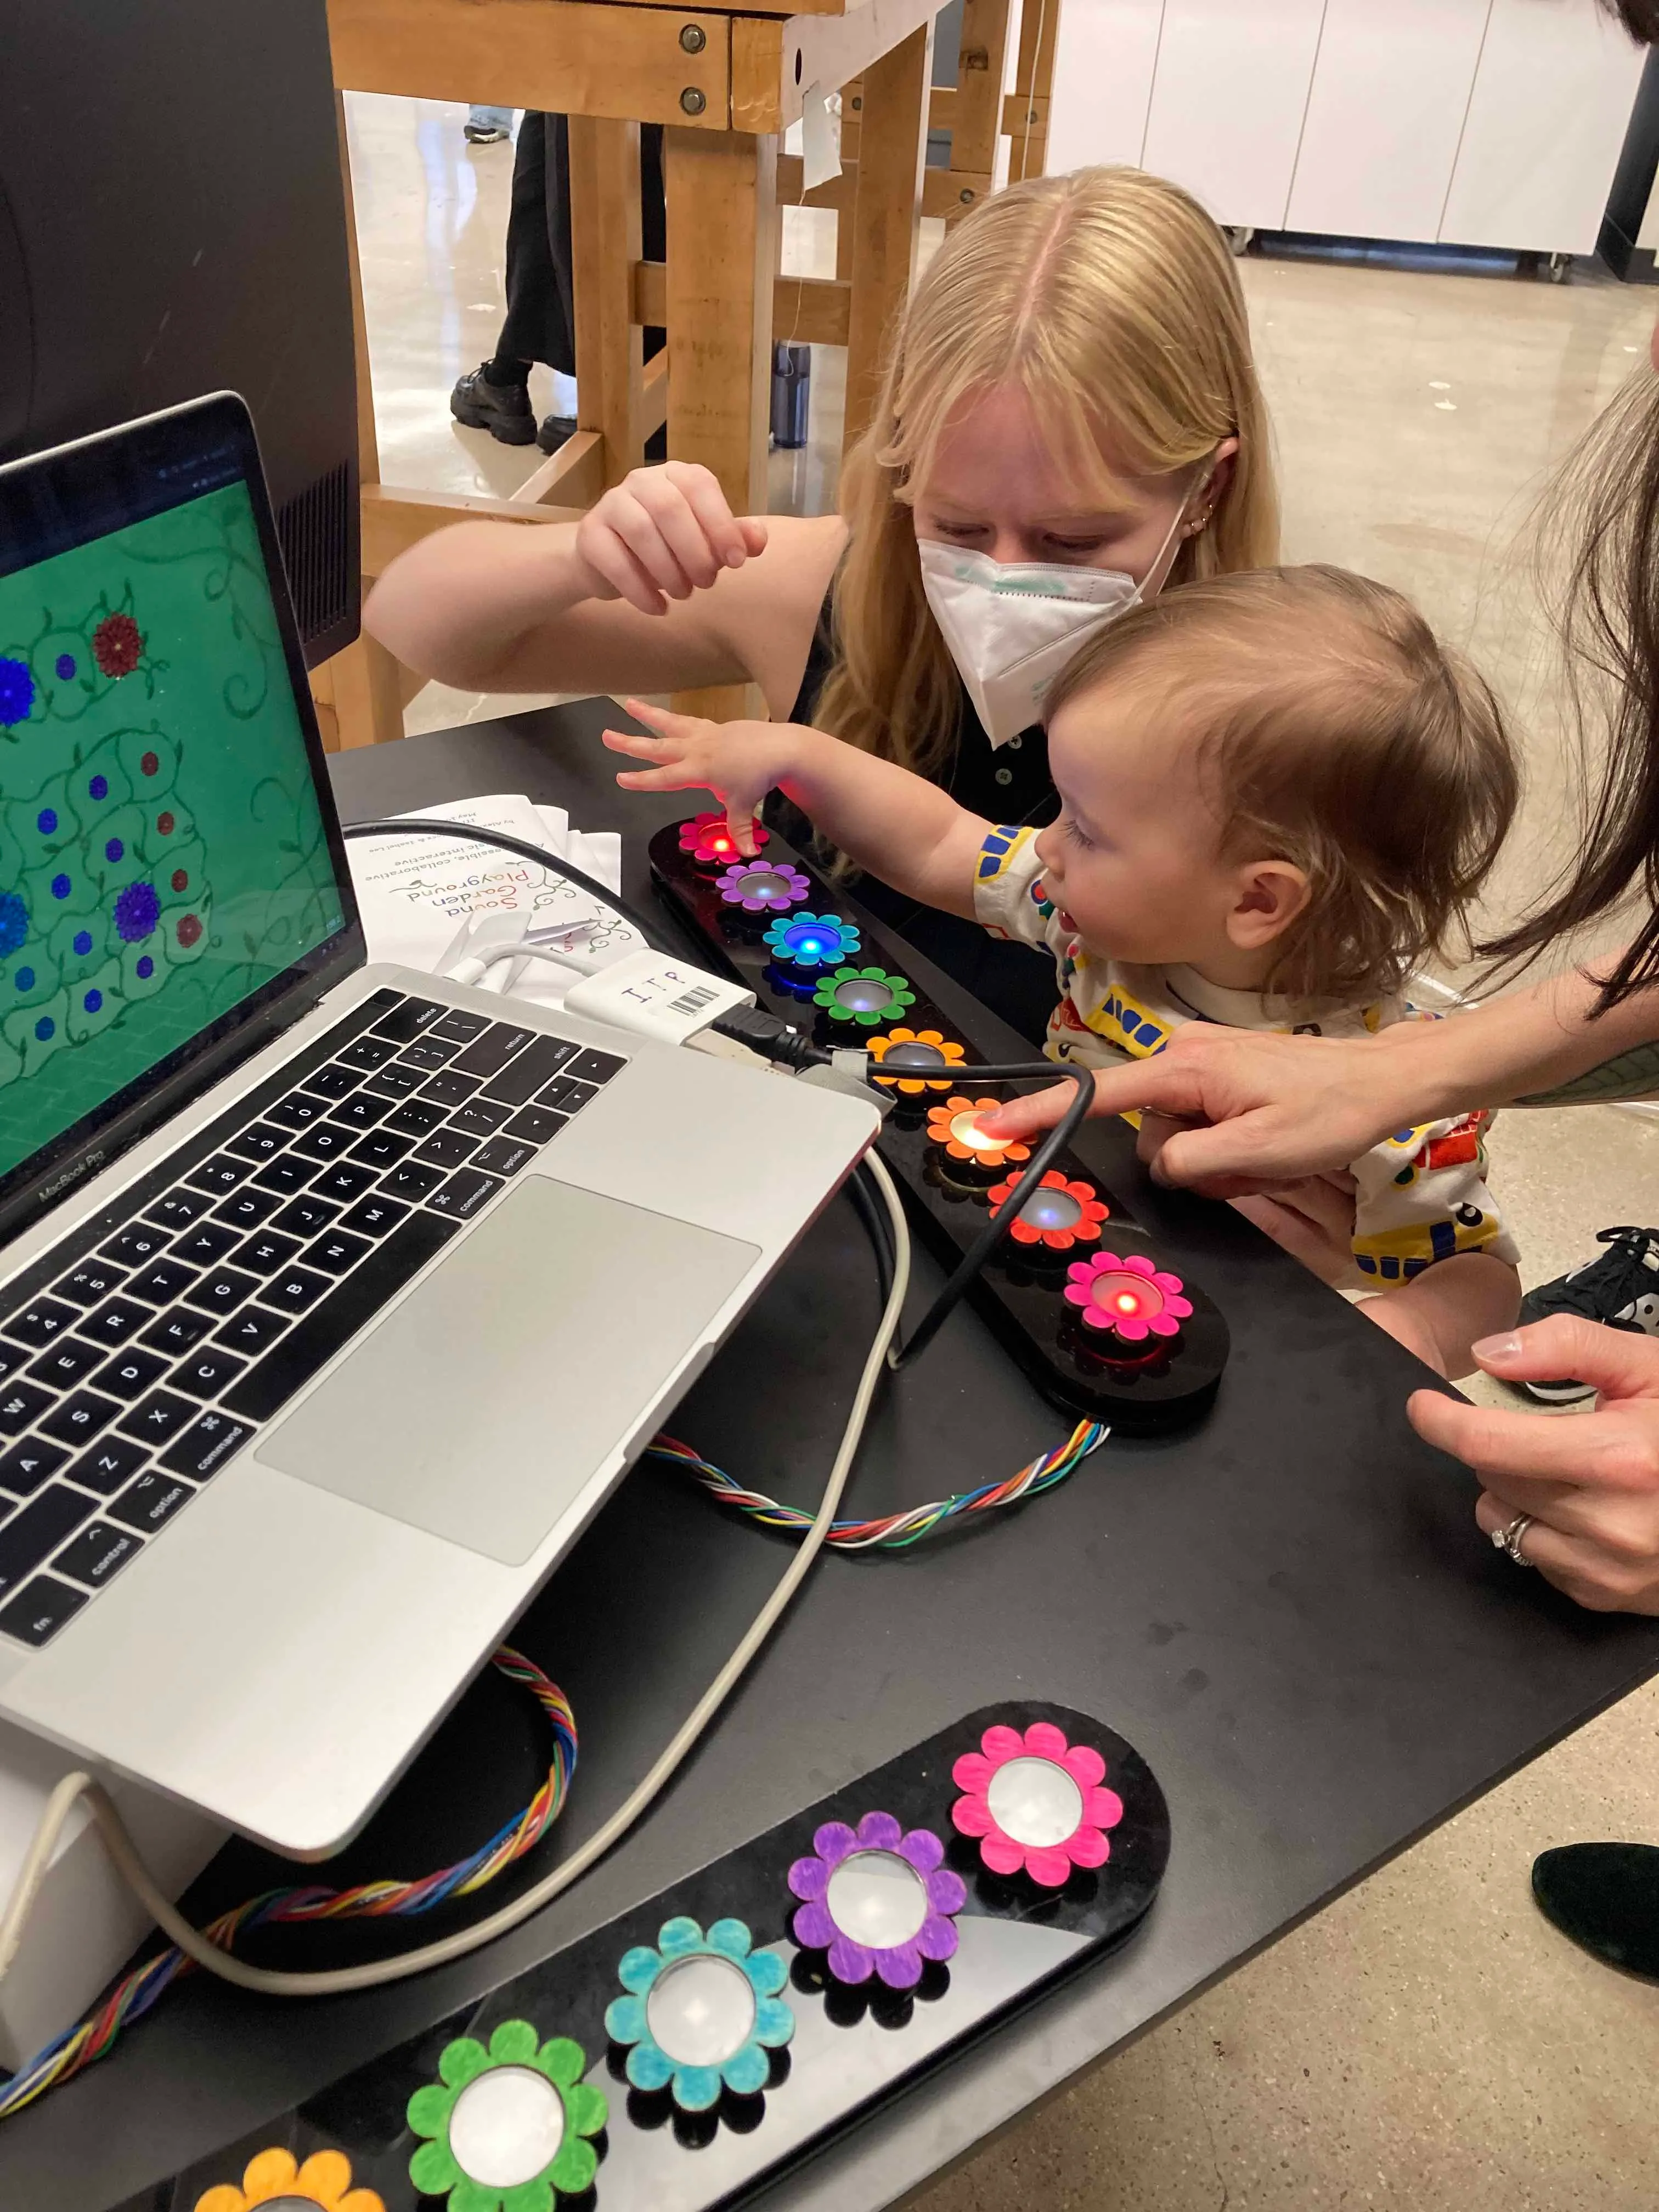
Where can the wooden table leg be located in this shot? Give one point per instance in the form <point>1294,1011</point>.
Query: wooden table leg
<point>359,691</point>
<point>887,211</point>
<point>721,188</point>
<point>1034,77</point>
<point>605,212</point>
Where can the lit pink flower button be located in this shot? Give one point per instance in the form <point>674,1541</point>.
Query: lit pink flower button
<point>1036,1804</point>
<point>1129,1296</point>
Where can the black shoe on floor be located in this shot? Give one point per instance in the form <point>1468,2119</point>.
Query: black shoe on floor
<point>503,409</point>
<point>1605,1897</point>
<point>555,431</point>
<point>484,134</point>
<point>1621,1289</point>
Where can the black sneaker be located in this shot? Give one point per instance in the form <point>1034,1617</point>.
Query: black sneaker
<point>555,431</point>
<point>503,409</point>
<point>1621,1289</point>
<point>484,134</point>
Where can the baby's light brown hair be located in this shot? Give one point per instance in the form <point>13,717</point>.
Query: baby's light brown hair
<point>1334,730</point>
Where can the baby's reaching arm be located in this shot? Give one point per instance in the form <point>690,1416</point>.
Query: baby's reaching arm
<point>896,825</point>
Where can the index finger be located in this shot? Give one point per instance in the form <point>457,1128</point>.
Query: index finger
<point>1590,1450</point>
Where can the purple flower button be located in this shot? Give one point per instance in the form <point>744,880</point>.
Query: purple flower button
<point>879,1900</point>
<point>762,886</point>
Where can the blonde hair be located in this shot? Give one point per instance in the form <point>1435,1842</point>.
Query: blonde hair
<point>1110,298</point>
<point>1337,732</point>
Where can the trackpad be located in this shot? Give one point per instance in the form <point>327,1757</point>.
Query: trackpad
<point>479,1408</point>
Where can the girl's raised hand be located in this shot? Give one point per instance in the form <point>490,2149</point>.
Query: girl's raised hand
<point>738,761</point>
<point>663,533</point>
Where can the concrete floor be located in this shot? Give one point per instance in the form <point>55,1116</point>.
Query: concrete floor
<point>1428,2040</point>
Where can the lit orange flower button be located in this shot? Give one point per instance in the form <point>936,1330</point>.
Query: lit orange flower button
<point>323,2183</point>
<point>955,1126</point>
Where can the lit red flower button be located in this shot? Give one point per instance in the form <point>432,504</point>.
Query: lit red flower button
<point>1128,1296</point>
<point>879,1901</point>
<point>1035,1804</point>
<point>926,1048</point>
<point>955,1126</point>
<point>1055,1213</point>
<point>708,838</point>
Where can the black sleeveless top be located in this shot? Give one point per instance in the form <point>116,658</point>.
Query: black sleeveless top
<point>1006,784</point>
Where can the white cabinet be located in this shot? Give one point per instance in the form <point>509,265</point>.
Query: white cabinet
<point>1227,103</point>
<point>1551,97</point>
<point>1384,116</point>
<point>1475,122</point>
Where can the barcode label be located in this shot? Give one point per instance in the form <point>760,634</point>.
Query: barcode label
<point>689,1002</point>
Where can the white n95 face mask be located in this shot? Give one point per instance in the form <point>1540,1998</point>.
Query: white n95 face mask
<point>1012,626</point>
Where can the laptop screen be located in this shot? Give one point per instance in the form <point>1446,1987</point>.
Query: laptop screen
<point>166,859</point>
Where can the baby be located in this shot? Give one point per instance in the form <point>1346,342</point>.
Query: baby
<point>1278,793</point>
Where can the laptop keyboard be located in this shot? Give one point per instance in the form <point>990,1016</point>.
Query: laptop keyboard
<point>132,1373</point>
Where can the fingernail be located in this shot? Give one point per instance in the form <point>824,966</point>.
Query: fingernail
<point>1497,1347</point>
<point>734,558</point>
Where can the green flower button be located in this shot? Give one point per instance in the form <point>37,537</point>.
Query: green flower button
<point>505,2125</point>
<point>864,995</point>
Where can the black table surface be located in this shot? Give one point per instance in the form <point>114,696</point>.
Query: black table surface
<point>1289,1611</point>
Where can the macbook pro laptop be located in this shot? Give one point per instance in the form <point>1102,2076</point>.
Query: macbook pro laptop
<point>334,1298</point>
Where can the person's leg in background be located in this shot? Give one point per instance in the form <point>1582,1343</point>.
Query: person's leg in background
<point>489,127</point>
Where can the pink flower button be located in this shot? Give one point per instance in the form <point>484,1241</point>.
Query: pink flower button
<point>1035,1804</point>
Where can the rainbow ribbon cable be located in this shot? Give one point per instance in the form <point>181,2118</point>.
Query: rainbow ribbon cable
<point>83,2046</point>
<point>893,1531</point>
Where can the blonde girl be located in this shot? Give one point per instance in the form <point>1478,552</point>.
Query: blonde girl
<point>1071,386</point>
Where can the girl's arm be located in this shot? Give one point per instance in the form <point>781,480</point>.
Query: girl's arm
<point>658,586</point>
<point>894,825</point>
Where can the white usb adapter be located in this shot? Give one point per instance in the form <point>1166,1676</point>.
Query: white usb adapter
<point>656,995</point>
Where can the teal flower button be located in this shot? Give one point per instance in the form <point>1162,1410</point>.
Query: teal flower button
<point>701,2012</point>
<point>506,2126</point>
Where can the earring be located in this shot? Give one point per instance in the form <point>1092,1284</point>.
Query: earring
<point>1198,522</point>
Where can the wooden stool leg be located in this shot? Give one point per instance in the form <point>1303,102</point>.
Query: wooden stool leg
<point>1034,77</point>
<point>887,212</point>
<point>358,692</point>
<point>721,188</point>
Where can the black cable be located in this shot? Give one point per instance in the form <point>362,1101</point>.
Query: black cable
<point>985,1244</point>
<point>434,826</point>
<point>873,1214</point>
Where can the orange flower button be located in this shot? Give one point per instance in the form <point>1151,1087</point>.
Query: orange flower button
<point>323,2183</point>
<point>955,1126</point>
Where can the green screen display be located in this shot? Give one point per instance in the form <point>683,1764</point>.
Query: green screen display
<point>162,855</point>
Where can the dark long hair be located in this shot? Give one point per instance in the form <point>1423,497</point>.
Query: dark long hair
<point>1639,17</point>
<point>1604,504</point>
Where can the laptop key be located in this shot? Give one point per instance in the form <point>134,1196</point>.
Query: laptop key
<point>130,1374</point>
<point>260,1142</point>
<point>305,1217</point>
<point>137,1242</point>
<point>32,1535</point>
<point>382,1148</point>
<point>429,1053</point>
<point>447,1148</point>
<point>409,1019</point>
<point>503,1156</point>
<point>160,1284</point>
<point>327,1141</point>
<point>417,1117</point>
<point>114,1322</point>
<point>38,1324</point>
<point>396,1081</point>
<point>108,1465</point>
<point>297,1110</point>
<point>460,1026</point>
<point>146,1504</point>
<point>596,1066</point>
<point>13,1358</point>
<point>464,1192</point>
<point>410,1181</point>
<point>80,1419</point>
<point>224,1172</point>
<point>373,1215</point>
<point>566,1096</point>
<point>346,1180</point>
<point>249,1209</point>
<point>294,1290</point>
<point>207,1242</point>
<point>96,1554</point>
<point>24,1466</point>
<point>361,1112</point>
<point>158,1419</point>
<point>536,1124</point>
<point>207,1372</point>
<point>450,1089</point>
<point>176,1331</point>
<point>337,1252</point>
<point>206,1445</point>
<point>357,1298</point>
<point>253,1330</point>
<point>332,1081</point>
<point>524,1076</point>
<point>63,1364</point>
<point>285,1174</point>
<point>488,1054</point>
<point>180,1207</point>
<point>21,1405</point>
<point>479,1117</point>
<point>267,1252</point>
<point>221,1292</point>
<point>368,1052</point>
<point>92,1280</point>
<point>35,1614</point>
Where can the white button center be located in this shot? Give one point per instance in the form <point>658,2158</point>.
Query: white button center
<point>506,2126</point>
<point>878,1899</point>
<point>700,2011</point>
<point>1035,1801</point>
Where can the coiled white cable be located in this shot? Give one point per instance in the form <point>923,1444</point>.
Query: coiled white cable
<point>269,1981</point>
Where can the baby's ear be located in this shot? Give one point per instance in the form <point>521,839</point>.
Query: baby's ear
<point>1270,894</point>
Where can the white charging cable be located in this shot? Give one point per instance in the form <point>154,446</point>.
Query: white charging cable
<point>332,1981</point>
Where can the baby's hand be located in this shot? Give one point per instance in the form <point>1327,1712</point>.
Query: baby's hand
<point>738,761</point>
